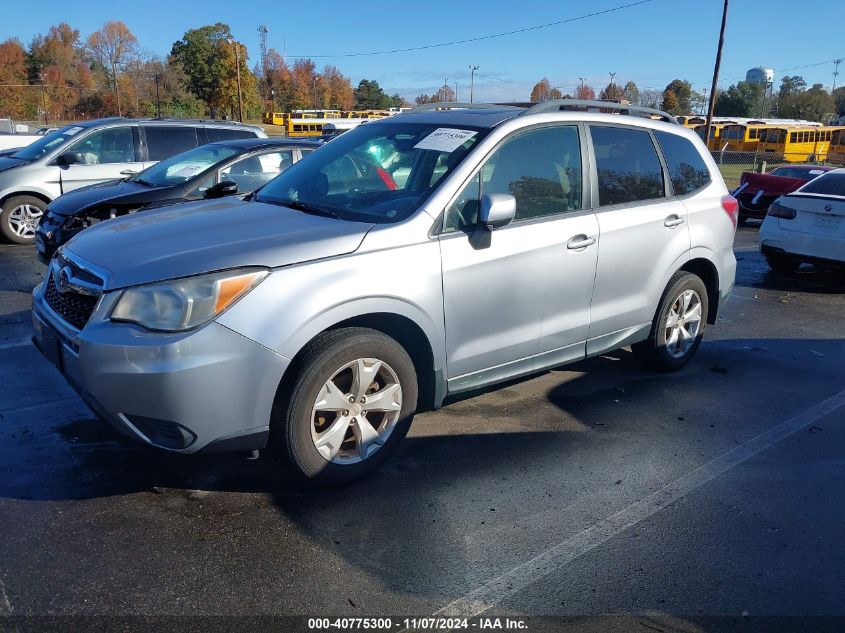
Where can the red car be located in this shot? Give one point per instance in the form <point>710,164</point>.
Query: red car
<point>756,192</point>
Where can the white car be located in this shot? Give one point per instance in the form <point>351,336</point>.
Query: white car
<point>807,225</point>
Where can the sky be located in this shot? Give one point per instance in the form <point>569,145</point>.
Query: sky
<point>650,43</point>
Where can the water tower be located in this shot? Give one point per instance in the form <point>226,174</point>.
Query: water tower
<point>760,75</point>
<point>764,77</point>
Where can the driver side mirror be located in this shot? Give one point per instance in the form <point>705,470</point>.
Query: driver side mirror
<point>497,210</point>
<point>221,189</point>
<point>69,158</point>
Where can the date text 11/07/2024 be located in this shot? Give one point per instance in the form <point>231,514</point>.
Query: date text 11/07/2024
<point>418,624</point>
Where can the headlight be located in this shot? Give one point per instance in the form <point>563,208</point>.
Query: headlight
<point>182,304</point>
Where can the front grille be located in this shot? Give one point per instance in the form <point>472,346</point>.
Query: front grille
<point>73,307</point>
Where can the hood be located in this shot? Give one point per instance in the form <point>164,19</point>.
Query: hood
<point>769,184</point>
<point>198,237</point>
<point>119,193</point>
<point>6,162</point>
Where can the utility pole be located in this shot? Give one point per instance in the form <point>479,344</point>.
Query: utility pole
<point>472,70</point>
<point>238,67</point>
<point>836,63</point>
<point>712,103</point>
<point>158,99</point>
<point>612,75</point>
<point>456,92</point>
<point>43,98</point>
<point>704,103</point>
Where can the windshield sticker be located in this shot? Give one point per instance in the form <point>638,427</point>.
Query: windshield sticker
<point>73,130</point>
<point>186,171</point>
<point>816,172</point>
<point>445,139</point>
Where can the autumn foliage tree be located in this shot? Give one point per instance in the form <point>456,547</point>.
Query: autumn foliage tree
<point>112,47</point>
<point>13,79</point>
<point>585,92</point>
<point>543,91</point>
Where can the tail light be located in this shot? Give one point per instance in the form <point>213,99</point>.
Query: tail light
<point>731,207</point>
<point>777,210</point>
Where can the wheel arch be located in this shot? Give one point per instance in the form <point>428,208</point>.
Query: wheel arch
<point>709,274</point>
<point>35,194</point>
<point>408,333</point>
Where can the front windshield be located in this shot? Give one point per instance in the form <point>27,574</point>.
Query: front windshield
<point>48,143</point>
<point>182,167</point>
<point>379,172</point>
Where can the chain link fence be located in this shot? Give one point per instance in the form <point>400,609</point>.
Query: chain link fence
<point>732,164</point>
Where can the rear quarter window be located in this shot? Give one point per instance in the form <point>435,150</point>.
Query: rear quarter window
<point>687,169</point>
<point>830,184</point>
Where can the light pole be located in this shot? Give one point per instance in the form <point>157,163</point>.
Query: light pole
<point>611,91</point>
<point>456,92</point>
<point>472,70</point>
<point>238,68</point>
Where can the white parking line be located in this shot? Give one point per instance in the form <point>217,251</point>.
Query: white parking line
<point>496,590</point>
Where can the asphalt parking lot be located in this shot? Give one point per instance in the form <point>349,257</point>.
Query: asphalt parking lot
<point>601,492</point>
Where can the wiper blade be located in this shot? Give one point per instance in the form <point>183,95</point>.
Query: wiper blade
<point>307,208</point>
<point>144,182</point>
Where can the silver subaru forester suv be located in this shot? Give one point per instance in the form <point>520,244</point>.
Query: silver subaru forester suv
<point>412,258</point>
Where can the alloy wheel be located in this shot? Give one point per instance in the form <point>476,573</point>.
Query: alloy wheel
<point>356,410</point>
<point>683,323</point>
<point>24,219</point>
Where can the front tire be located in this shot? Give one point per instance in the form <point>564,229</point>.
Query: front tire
<point>678,325</point>
<point>348,408</point>
<point>20,217</point>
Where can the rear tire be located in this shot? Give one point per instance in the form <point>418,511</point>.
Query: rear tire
<point>678,325</point>
<point>782,263</point>
<point>330,424</point>
<point>20,217</point>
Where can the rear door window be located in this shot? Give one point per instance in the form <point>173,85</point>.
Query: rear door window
<point>166,141</point>
<point>687,169</point>
<point>627,165</point>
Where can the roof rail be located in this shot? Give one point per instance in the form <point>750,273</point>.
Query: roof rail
<point>456,105</point>
<point>583,105</point>
<point>190,120</point>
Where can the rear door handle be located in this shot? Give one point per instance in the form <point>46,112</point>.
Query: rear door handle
<point>672,221</point>
<point>580,241</point>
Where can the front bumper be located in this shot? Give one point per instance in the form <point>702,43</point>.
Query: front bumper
<point>204,390</point>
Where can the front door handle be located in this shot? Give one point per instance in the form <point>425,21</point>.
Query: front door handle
<point>672,221</point>
<point>580,241</point>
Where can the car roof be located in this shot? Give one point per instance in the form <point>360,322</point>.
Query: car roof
<point>273,141</point>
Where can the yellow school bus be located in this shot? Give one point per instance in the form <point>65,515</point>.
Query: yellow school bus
<point>715,134</point>
<point>799,144</point>
<point>836,151</point>
<point>276,118</point>
<point>742,137</point>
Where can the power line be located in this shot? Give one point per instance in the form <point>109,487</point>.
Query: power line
<point>481,37</point>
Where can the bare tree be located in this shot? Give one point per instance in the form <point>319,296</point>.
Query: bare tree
<point>113,46</point>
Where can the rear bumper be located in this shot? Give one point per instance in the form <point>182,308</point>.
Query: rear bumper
<point>209,389</point>
<point>807,247</point>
